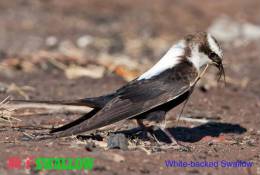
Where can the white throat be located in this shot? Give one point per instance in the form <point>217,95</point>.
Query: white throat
<point>198,59</point>
<point>169,60</point>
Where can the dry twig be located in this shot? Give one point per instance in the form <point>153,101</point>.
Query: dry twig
<point>6,112</point>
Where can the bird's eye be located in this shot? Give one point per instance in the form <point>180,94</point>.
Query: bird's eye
<point>212,55</point>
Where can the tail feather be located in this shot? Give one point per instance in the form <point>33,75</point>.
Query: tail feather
<point>81,102</point>
<point>94,102</point>
<point>68,129</point>
<point>75,122</point>
<point>74,127</point>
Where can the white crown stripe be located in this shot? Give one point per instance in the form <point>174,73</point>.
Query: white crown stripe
<point>214,46</point>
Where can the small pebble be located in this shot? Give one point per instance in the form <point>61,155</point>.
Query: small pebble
<point>117,141</point>
<point>51,41</point>
<point>90,147</point>
<point>84,41</point>
<point>210,143</point>
<point>25,138</point>
<point>3,87</point>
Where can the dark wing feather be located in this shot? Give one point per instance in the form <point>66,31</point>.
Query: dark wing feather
<point>138,97</point>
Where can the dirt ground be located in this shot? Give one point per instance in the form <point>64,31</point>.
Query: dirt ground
<point>33,32</point>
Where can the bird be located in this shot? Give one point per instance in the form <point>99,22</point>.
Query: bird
<point>149,97</point>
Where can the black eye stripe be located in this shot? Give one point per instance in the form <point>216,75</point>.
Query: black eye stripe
<point>213,55</point>
<point>204,49</point>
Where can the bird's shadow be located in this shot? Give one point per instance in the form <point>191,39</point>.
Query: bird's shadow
<point>195,134</point>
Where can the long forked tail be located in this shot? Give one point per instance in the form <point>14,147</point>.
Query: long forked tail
<point>67,129</point>
<point>93,102</point>
<point>90,102</point>
<point>75,122</point>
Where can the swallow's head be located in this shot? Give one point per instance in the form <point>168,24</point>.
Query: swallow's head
<point>204,49</point>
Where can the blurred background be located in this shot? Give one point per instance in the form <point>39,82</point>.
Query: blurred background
<point>34,32</point>
<point>57,49</point>
<point>125,37</point>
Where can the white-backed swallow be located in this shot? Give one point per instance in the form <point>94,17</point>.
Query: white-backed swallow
<point>167,84</point>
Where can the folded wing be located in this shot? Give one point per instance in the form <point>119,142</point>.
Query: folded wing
<point>138,97</point>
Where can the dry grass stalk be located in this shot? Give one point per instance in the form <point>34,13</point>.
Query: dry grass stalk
<point>6,112</point>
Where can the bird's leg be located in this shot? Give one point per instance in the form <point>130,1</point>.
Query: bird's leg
<point>147,130</point>
<point>162,126</point>
<point>158,118</point>
<point>169,135</point>
<point>174,143</point>
<point>155,118</point>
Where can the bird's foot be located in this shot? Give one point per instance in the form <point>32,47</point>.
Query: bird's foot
<point>152,136</point>
<point>147,135</point>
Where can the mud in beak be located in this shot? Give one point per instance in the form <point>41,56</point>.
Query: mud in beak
<point>219,65</point>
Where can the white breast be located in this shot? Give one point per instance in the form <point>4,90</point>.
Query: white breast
<point>198,59</point>
<point>169,60</point>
